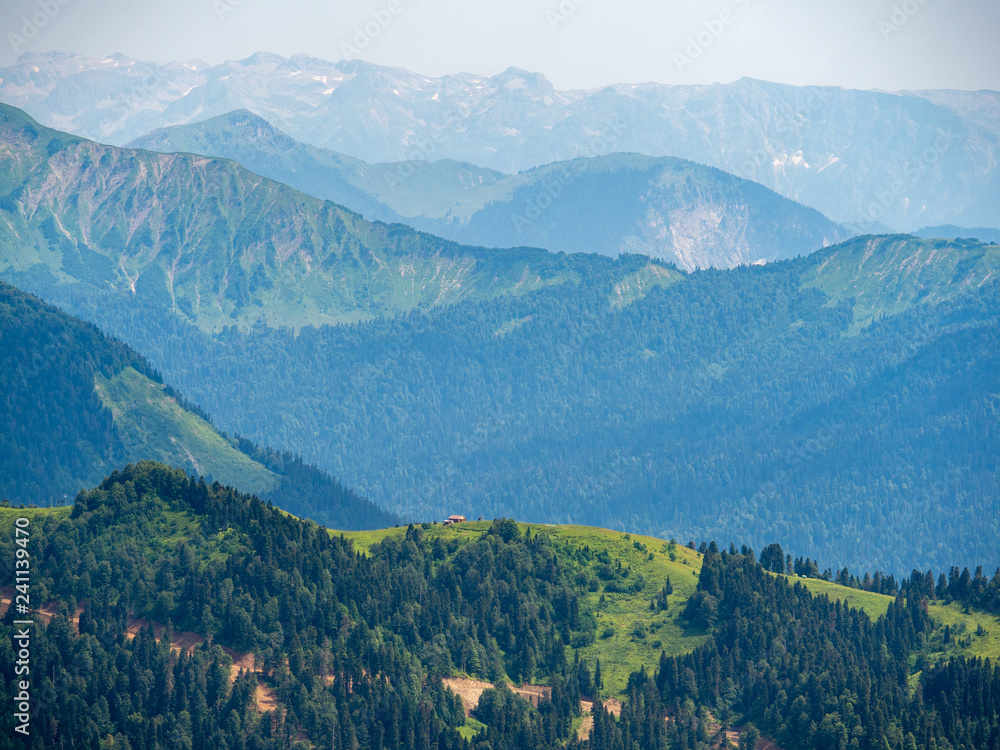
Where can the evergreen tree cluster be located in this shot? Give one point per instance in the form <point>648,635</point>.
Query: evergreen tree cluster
<point>353,645</point>
<point>808,673</point>
<point>58,435</point>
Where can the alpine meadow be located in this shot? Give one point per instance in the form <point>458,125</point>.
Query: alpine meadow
<point>639,391</point>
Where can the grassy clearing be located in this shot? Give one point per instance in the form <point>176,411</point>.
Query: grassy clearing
<point>154,426</point>
<point>962,625</point>
<point>629,634</point>
<point>639,635</point>
<point>9,515</point>
<point>889,275</point>
<point>471,728</point>
<point>635,635</point>
<point>874,604</point>
<point>637,285</point>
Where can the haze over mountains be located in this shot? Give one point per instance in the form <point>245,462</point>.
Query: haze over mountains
<point>666,208</point>
<point>907,159</point>
<point>705,378</point>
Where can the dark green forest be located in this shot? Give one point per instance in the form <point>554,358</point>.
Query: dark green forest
<point>59,437</point>
<point>744,405</point>
<point>354,645</point>
<point>351,643</point>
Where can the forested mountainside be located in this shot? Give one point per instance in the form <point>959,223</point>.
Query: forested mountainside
<point>77,404</point>
<point>907,159</point>
<point>218,245</point>
<point>665,208</point>
<point>846,402</point>
<point>276,632</point>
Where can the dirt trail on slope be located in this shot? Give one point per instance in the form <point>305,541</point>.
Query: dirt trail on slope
<point>587,707</point>
<point>470,691</point>
<point>733,733</point>
<point>185,641</point>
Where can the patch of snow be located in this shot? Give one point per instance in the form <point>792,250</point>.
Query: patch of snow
<point>831,160</point>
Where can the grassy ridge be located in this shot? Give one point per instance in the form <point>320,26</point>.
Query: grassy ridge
<point>950,614</point>
<point>251,249</point>
<point>888,275</point>
<point>154,426</point>
<point>627,648</point>
<point>9,515</point>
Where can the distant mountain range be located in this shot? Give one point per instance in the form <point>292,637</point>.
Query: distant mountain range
<point>906,159</point>
<point>667,208</point>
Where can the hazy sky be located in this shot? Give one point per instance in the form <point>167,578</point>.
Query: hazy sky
<point>884,44</point>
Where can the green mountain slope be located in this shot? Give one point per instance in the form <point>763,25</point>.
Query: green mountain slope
<point>78,405</point>
<point>152,425</point>
<point>889,275</point>
<point>337,644</point>
<point>801,398</point>
<point>667,208</point>
<point>218,245</point>
<point>733,405</point>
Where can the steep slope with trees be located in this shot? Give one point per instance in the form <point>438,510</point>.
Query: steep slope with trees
<point>77,404</point>
<point>851,413</point>
<point>841,399</point>
<point>353,648</point>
